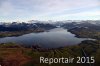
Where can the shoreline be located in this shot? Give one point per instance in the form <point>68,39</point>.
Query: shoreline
<point>19,33</point>
<point>78,35</point>
<point>33,54</point>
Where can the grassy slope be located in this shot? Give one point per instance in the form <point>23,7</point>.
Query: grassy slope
<point>87,33</point>
<point>15,55</point>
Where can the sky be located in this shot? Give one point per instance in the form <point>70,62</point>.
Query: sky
<point>24,10</point>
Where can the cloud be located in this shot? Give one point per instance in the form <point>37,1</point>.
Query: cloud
<point>6,8</point>
<point>49,5</point>
<point>45,8</point>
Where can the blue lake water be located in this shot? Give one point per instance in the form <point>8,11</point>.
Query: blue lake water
<point>58,37</point>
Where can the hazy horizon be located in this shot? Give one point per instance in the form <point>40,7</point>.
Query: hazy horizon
<point>56,10</point>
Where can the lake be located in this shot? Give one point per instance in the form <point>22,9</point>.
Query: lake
<point>54,38</point>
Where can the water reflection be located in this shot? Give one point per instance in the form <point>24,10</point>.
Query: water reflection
<point>54,38</point>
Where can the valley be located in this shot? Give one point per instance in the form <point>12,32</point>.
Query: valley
<point>12,54</point>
